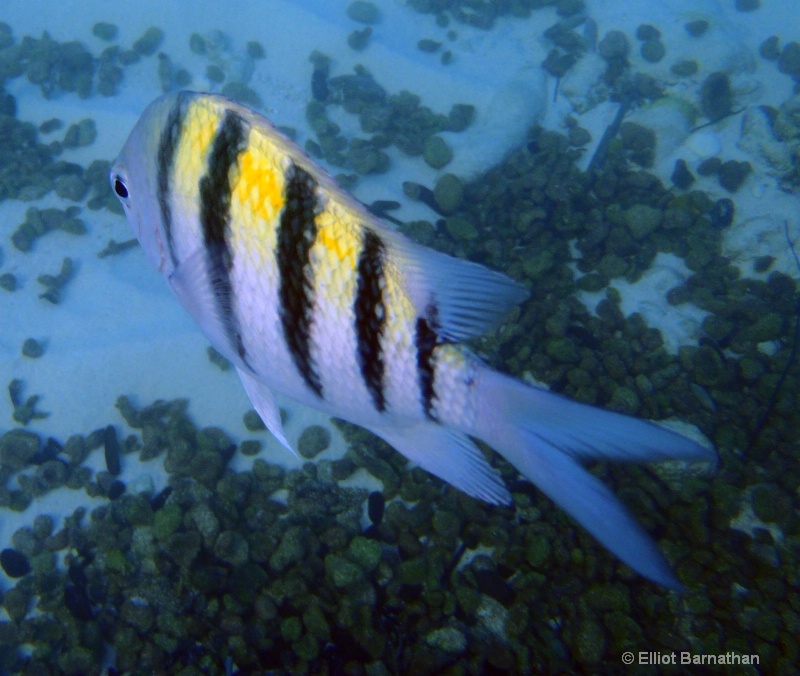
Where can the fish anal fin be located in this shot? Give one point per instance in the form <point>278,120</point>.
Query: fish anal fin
<point>451,456</point>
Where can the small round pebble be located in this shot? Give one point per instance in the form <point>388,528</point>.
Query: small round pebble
<point>681,177</point>
<point>253,422</point>
<point>313,441</point>
<point>250,447</point>
<point>32,349</point>
<point>105,31</point>
<point>697,28</point>
<point>14,564</point>
<point>770,49</point>
<point>116,489</point>
<point>8,282</point>
<point>363,12</point>
<point>255,50</point>
<point>647,32</point>
<point>376,504</point>
<point>653,50</point>
<point>709,167</point>
<point>685,68</point>
<point>747,5</point>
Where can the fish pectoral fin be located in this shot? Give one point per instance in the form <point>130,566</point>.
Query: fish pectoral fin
<point>451,456</point>
<point>264,402</point>
<point>192,284</point>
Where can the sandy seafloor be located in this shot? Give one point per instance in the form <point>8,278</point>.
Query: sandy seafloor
<point>119,330</point>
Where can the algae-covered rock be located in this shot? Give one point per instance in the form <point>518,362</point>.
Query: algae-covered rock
<point>460,116</point>
<point>51,474</point>
<point>685,68</point>
<point>14,563</point>
<point>364,552</point>
<point>363,12</point>
<point>590,642</point>
<point>732,174</point>
<point>32,348</point>
<point>447,524</point>
<point>183,548</point>
<point>205,521</point>
<point>8,282</point>
<point>149,42</point>
<point>315,622</point>
<point>639,142</point>
<point>562,350</point>
<point>242,93</point>
<point>17,603</point>
<point>105,31</point>
<point>291,549</point>
<point>436,152</point>
<point>232,548</point>
<point>17,448</point>
<point>625,400</point>
<point>770,503</point>
<point>253,422</point>
<point>313,441</point>
<point>358,40</point>
<point>291,629</point>
<point>613,46</point>
<point>80,134</point>
<point>697,28</point>
<point>642,220</point>
<point>448,193</point>
<point>71,187</point>
<point>461,229</point>
<point>166,521</point>
<point>716,96</point>
<point>653,50</point>
<point>789,61</point>
<point>342,572</point>
<point>537,551</point>
<point>366,159</point>
<point>447,639</point>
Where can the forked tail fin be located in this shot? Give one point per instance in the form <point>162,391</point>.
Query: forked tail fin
<point>545,436</point>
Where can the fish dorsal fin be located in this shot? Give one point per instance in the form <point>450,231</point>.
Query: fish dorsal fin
<point>264,402</point>
<point>451,456</point>
<point>461,299</point>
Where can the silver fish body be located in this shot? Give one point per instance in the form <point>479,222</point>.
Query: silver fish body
<point>311,296</point>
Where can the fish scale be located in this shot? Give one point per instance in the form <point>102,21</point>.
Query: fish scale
<point>313,297</point>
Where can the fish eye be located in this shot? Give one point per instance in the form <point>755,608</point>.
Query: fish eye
<point>120,188</point>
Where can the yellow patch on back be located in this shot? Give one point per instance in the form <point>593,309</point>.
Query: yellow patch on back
<point>401,315</point>
<point>200,128</point>
<point>341,241</point>
<point>257,196</point>
<point>335,253</point>
<point>260,182</point>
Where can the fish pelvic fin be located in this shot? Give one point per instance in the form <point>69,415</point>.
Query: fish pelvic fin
<point>545,436</point>
<point>264,402</point>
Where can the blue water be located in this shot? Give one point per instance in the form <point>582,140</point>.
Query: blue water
<point>663,285</point>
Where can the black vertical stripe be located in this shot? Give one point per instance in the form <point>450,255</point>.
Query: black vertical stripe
<point>370,316</point>
<point>296,234</point>
<point>215,207</point>
<point>425,340</point>
<point>167,145</point>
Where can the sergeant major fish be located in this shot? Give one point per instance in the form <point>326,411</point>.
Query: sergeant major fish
<point>310,295</point>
